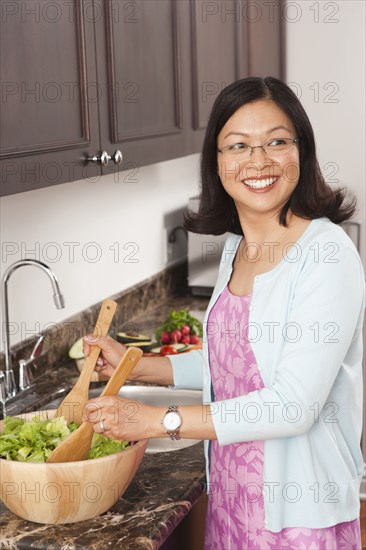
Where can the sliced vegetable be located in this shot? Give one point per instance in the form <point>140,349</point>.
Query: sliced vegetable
<point>103,446</point>
<point>137,344</point>
<point>76,350</point>
<point>145,346</point>
<point>131,336</point>
<point>172,348</point>
<point>34,440</point>
<point>168,350</point>
<point>31,441</point>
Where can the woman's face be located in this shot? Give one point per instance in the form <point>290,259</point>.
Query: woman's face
<point>263,181</point>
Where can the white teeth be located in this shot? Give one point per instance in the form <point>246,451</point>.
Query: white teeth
<point>260,184</point>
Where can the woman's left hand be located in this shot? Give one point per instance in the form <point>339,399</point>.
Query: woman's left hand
<point>124,419</point>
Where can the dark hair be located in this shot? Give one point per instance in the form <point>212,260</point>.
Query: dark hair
<point>312,198</point>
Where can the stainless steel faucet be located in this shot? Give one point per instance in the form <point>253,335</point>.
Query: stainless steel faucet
<point>10,386</point>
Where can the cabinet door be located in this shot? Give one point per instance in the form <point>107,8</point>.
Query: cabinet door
<point>49,94</point>
<point>219,56</point>
<point>139,71</point>
<point>84,76</point>
<point>230,40</point>
<point>266,37</point>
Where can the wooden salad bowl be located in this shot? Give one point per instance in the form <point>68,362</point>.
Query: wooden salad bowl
<point>68,492</point>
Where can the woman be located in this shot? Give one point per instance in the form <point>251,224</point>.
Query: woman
<point>281,362</point>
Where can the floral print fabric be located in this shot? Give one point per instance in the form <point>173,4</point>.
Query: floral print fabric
<point>235,517</point>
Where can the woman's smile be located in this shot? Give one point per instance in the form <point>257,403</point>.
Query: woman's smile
<point>261,184</point>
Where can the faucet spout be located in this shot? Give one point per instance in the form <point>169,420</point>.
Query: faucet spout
<point>58,299</point>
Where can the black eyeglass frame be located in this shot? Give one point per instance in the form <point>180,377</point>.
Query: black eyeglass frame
<point>222,150</point>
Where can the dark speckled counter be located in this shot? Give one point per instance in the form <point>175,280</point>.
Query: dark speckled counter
<point>164,489</point>
<point>162,492</point>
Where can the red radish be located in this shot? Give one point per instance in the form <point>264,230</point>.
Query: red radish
<point>175,336</point>
<point>185,330</point>
<point>165,338</point>
<point>194,340</point>
<point>185,340</point>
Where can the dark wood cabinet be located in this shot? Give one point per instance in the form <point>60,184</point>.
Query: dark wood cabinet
<point>138,76</point>
<point>49,117</point>
<point>139,53</point>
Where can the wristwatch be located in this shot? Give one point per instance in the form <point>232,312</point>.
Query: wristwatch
<point>172,422</point>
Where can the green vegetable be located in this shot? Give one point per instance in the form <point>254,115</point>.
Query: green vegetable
<point>76,350</point>
<point>102,446</point>
<point>176,320</point>
<point>34,440</point>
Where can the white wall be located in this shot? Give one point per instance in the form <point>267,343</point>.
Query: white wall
<point>326,67</point>
<point>93,216</point>
<point>329,57</point>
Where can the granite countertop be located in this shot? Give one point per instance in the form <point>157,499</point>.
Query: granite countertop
<point>149,510</point>
<point>164,489</point>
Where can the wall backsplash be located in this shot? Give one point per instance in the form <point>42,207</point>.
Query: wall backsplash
<point>131,303</point>
<point>99,239</point>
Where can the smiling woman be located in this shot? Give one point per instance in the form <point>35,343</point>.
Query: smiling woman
<point>281,363</point>
<point>259,178</point>
<point>248,119</point>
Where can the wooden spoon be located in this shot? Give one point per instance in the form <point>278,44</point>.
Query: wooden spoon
<point>72,406</point>
<point>76,446</point>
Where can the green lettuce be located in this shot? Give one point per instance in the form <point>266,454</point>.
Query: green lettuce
<point>34,440</point>
<point>103,446</point>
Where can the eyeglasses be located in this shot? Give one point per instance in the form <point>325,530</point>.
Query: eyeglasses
<point>274,147</point>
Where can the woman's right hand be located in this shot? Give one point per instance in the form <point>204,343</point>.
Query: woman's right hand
<point>156,370</point>
<point>110,355</point>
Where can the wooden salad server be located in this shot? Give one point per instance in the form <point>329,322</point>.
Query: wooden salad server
<point>77,445</point>
<point>72,406</point>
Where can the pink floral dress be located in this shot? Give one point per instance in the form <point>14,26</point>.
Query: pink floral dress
<point>235,517</point>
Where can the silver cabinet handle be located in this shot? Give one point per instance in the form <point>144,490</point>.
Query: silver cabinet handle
<point>118,157</point>
<point>103,159</point>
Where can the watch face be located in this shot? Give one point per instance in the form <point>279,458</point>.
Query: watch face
<point>172,421</point>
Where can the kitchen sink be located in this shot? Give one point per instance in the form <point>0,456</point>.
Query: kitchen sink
<point>28,401</point>
<point>160,396</point>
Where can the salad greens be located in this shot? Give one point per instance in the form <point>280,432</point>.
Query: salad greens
<point>103,446</point>
<point>176,320</point>
<point>34,440</point>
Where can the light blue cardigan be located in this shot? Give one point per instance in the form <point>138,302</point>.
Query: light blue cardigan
<point>305,328</point>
